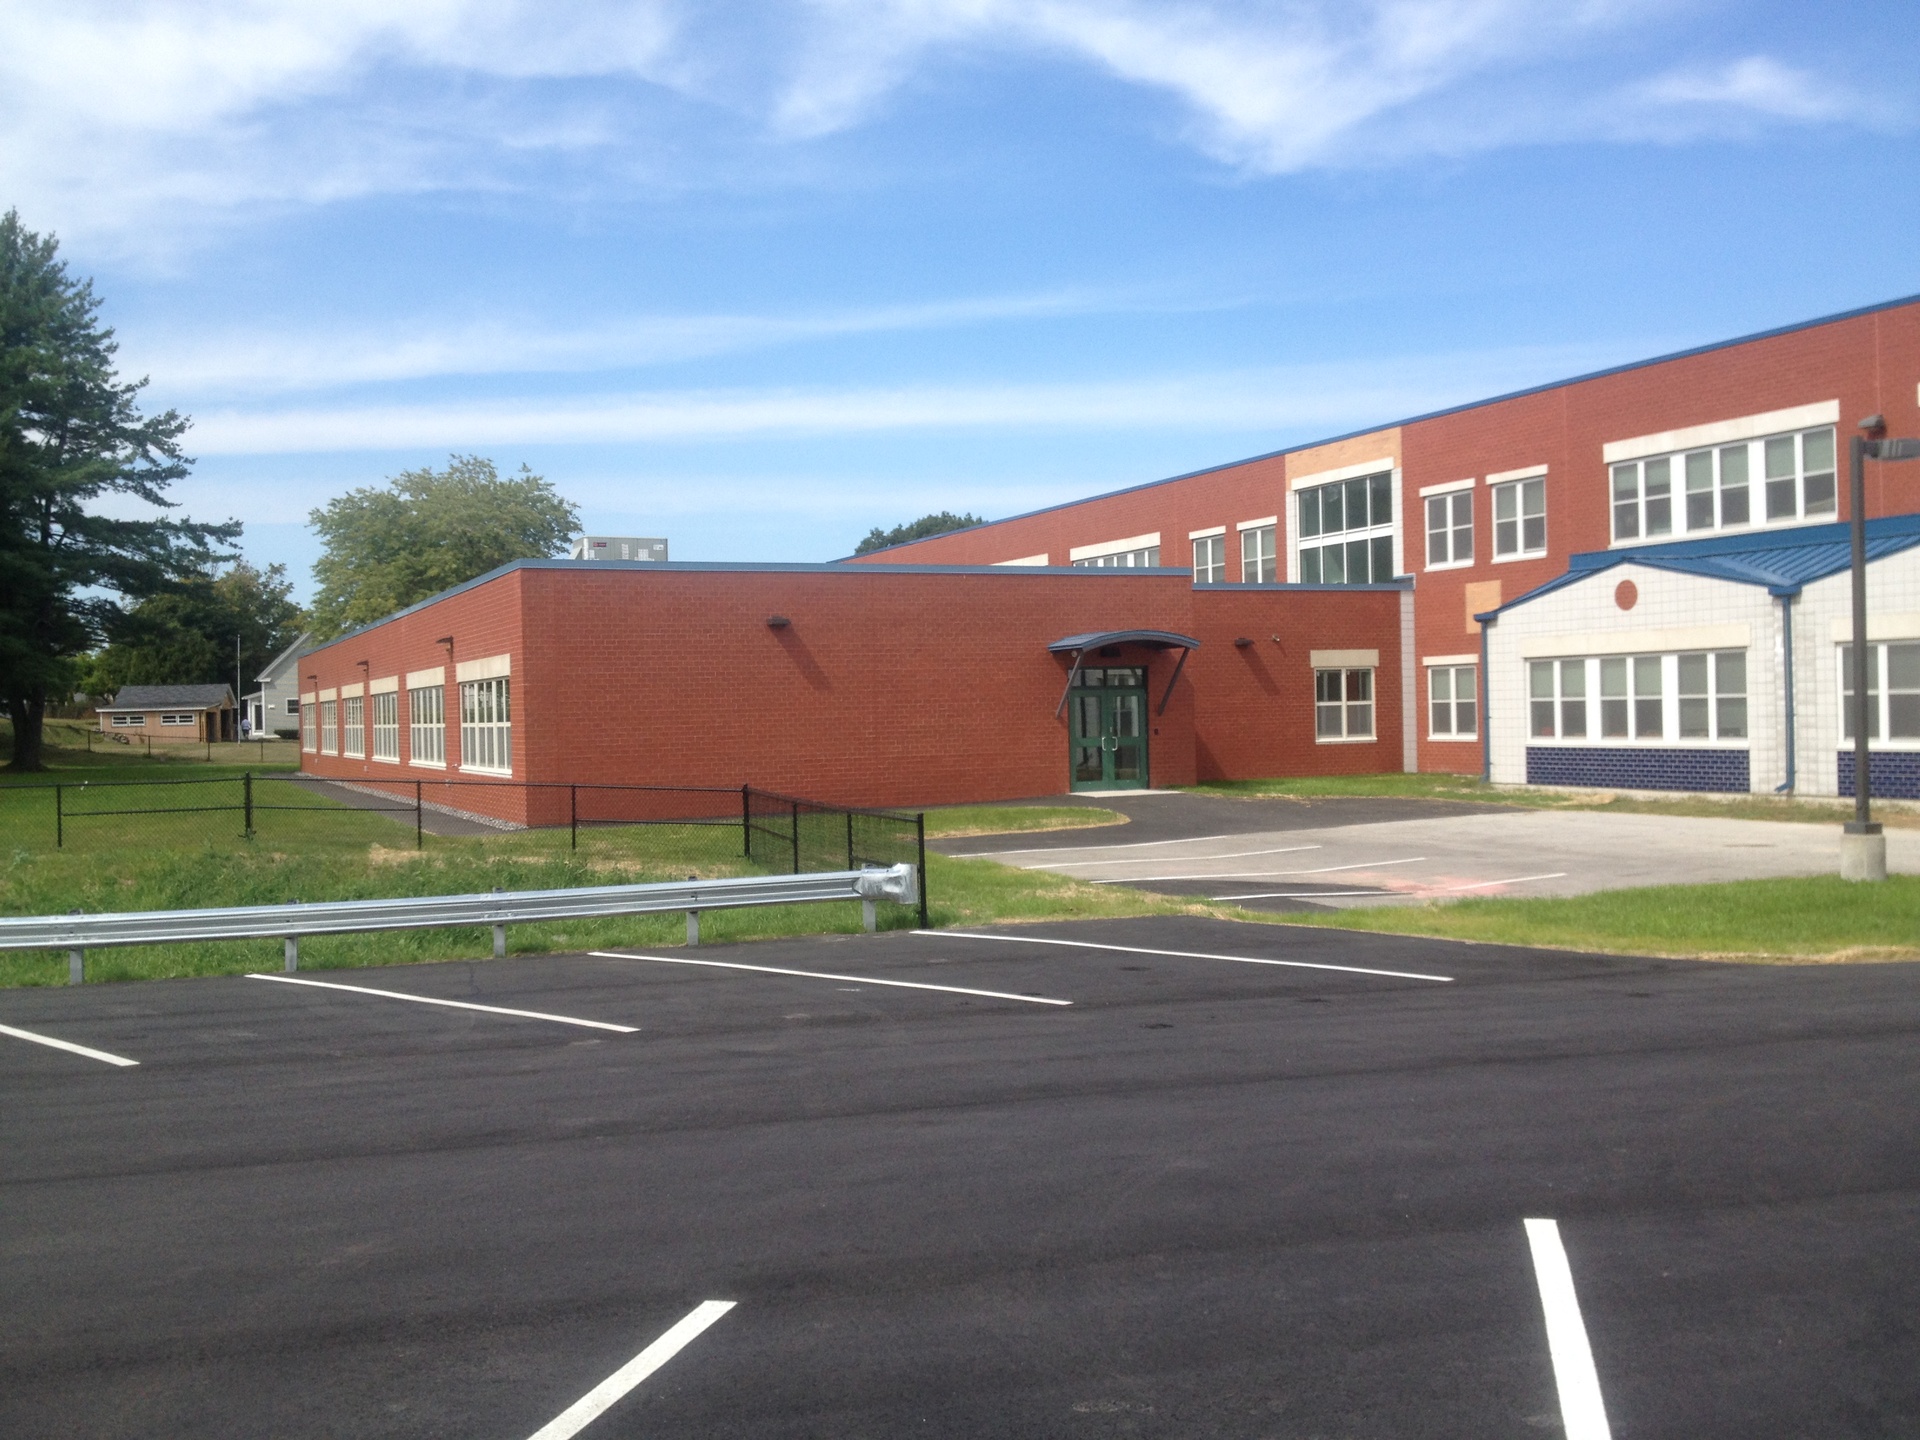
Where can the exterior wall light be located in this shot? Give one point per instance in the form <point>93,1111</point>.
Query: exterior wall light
<point>778,622</point>
<point>1241,642</point>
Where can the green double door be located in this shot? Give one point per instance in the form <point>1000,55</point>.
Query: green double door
<point>1109,741</point>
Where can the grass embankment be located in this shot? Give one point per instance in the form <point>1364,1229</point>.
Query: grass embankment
<point>327,853</point>
<point>1817,918</point>
<point>1466,787</point>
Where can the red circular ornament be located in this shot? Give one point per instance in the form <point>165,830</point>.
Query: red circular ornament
<point>1626,594</point>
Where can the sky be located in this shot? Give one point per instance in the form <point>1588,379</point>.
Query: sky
<point>759,277</point>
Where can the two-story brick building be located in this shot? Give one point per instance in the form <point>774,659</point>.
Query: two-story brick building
<point>1305,612</point>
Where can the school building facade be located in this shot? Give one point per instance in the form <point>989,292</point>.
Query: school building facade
<point>1381,601</point>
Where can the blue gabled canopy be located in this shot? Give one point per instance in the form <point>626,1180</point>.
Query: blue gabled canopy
<point>1781,560</point>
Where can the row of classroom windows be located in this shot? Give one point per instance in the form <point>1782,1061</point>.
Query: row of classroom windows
<point>1703,696</point>
<point>344,726</point>
<point>1346,528</point>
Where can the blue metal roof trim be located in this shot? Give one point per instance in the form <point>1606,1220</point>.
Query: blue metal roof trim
<point>1783,561</point>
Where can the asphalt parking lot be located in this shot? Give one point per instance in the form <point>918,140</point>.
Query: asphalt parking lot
<point>1290,856</point>
<point>1206,1197</point>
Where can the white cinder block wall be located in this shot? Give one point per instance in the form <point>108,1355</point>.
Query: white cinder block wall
<point>1672,612</point>
<point>1822,618</point>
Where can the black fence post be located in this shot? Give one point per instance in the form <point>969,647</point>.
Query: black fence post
<point>746,820</point>
<point>796,837</point>
<point>59,817</point>
<point>920,843</point>
<point>849,840</point>
<point>246,781</point>
<point>573,817</point>
<point>419,831</point>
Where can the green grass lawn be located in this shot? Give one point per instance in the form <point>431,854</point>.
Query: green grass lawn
<point>1813,918</point>
<point>954,821</point>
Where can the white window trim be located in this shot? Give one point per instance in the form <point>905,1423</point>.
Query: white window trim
<point>1493,523</point>
<point>1843,742</point>
<point>1723,432</point>
<point>1078,552</point>
<point>1757,523</point>
<point>1455,663</point>
<point>1372,704</point>
<point>1429,493</point>
<point>505,726</point>
<point>429,680</point>
<point>1669,737</point>
<point>373,742</point>
<point>1395,528</point>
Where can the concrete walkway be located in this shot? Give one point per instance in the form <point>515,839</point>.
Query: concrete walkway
<point>1510,852</point>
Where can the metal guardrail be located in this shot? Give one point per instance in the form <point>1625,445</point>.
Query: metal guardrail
<point>79,933</point>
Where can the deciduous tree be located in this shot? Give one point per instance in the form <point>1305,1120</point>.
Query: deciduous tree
<point>426,531</point>
<point>939,524</point>
<point>185,635</point>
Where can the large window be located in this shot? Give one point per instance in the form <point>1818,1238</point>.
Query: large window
<point>1210,560</point>
<point>309,727</point>
<point>1346,531</point>
<point>386,725</point>
<point>486,741</point>
<point>1893,692</point>
<point>1259,558</point>
<point>1450,529</point>
<point>427,725</point>
<point>1776,480</point>
<point>329,727</point>
<point>1520,518</point>
<point>1343,704</point>
<point>1453,694</point>
<point>354,726</point>
<point>1698,696</point>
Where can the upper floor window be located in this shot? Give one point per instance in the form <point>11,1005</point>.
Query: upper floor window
<point>1210,559</point>
<point>1142,558</point>
<point>1520,518</point>
<point>1450,529</point>
<point>1346,531</point>
<point>1773,480</point>
<point>1259,557</point>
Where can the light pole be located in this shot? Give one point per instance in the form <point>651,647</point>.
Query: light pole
<point>1863,848</point>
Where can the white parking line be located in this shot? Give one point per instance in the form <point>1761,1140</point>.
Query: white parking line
<point>604,1396</point>
<point>1264,874</point>
<point>1045,849</point>
<point>452,1004</point>
<point>1182,954</point>
<point>1582,1415</point>
<point>1152,860</point>
<point>68,1045</point>
<point>823,975</point>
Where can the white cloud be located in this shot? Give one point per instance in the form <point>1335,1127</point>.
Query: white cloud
<point>1324,398</point>
<point>117,114</point>
<point>264,360</point>
<point>1756,83</point>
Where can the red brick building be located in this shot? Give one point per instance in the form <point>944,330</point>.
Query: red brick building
<point>1305,612</point>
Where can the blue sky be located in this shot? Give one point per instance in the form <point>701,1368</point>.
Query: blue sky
<point>761,276</point>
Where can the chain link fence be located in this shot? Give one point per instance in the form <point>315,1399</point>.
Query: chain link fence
<point>622,829</point>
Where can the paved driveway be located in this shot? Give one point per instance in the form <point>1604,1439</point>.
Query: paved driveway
<point>1361,861</point>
